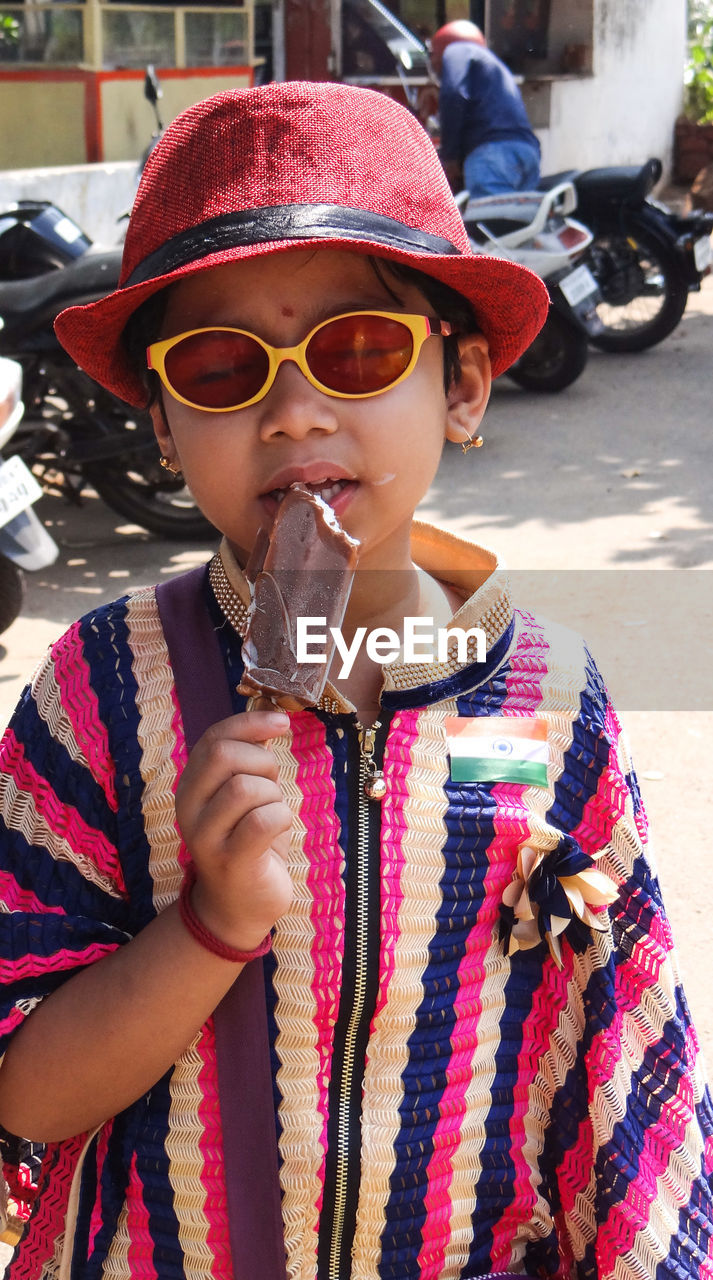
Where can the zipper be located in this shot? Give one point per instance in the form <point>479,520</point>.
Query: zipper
<point>372,788</point>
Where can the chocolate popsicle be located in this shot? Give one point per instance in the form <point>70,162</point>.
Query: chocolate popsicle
<point>304,569</point>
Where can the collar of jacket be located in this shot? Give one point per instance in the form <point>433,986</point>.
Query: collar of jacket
<point>475,574</point>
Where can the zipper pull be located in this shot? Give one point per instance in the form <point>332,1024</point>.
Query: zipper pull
<point>374,783</point>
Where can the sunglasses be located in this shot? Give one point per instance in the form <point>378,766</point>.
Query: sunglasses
<point>350,356</point>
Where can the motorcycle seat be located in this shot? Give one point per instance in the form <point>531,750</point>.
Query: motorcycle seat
<point>551,180</point>
<point>628,184</point>
<point>623,184</point>
<point>91,276</point>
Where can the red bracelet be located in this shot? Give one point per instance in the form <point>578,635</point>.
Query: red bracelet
<point>207,939</point>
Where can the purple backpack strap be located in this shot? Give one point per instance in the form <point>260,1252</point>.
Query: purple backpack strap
<point>247,1107</point>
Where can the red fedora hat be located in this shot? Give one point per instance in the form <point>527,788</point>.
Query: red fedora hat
<point>295,165</point>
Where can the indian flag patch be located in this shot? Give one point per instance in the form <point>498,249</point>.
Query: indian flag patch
<point>498,749</point>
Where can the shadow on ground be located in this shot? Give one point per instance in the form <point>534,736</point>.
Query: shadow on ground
<point>631,434</point>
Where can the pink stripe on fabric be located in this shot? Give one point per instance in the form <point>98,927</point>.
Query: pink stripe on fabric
<point>613,731</point>
<point>212,1159</point>
<point>472,976</point>
<point>397,763</point>
<point>179,751</point>
<point>631,983</point>
<point>16,898</point>
<point>550,998</point>
<point>325,885</point>
<point>641,969</point>
<point>523,696</point>
<point>604,809</point>
<point>604,1054</point>
<point>631,1215</point>
<point>31,966</point>
<point>574,1172</point>
<point>138,1227</point>
<point>47,1221</point>
<point>95,1221</point>
<point>82,707</point>
<point>63,820</point>
<point>660,1141</point>
<point>527,668</point>
<point>12,1021</point>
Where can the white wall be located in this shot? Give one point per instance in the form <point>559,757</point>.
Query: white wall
<point>626,111</point>
<point>94,195</point>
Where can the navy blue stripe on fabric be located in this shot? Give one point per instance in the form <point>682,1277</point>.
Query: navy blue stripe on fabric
<point>469,831</point>
<point>105,637</point>
<point>632,782</point>
<point>600,1014</point>
<point>269,969</point>
<point>132,1133</point>
<point>113,1183</point>
<point>476,674</point>
<point>651,1087</point>
<point>71,780</point>
<point>56,882</point>
<point>586,757</point>
<point>44,936</point>
<point>495,1188</point>
<point>155,1167</point>
<point>693,1243</point>
<point>655,1082</point>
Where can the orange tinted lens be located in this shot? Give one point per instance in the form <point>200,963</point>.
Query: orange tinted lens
<point>357,354</point>
<point>217,370</point>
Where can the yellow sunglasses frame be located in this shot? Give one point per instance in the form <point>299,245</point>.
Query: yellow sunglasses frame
<point>420,328</point>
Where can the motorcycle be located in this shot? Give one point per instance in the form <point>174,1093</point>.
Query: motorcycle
<point>645,257</point>
<point>537,231</point>
<point>73,431</point>
<point>25,544</point>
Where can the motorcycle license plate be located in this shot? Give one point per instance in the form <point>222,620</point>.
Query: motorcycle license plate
<point>578,285</point>
<point>18,489</point>
<point>703,253</point>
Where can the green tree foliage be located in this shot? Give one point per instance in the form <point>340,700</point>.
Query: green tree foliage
<point>698,76</point>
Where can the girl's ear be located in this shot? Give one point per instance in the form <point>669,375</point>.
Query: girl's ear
<point>468,397</point>
<point>162,432</point>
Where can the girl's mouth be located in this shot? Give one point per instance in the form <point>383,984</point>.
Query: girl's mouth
<point>336,493</point>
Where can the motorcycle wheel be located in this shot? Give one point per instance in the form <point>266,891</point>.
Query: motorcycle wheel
<point>12,592</point>
<point>643,295</point>
<point>136,486</point>
<point>555,359</point>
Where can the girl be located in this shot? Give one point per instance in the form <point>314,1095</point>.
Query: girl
<point>480,1056</point>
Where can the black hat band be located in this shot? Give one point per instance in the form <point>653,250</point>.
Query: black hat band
<point>284,222</point>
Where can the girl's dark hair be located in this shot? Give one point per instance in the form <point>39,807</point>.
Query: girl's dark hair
<point>447,303</point>
<point>142,329</point>
<point>144,325</point>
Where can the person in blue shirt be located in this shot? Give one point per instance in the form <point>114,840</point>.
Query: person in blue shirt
<point>485,130</point>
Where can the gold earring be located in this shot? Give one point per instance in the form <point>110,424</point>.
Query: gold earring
<point>169,466</point>
<point>473,443</point>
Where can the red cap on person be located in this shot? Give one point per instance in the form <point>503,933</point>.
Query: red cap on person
<point>296,165</point>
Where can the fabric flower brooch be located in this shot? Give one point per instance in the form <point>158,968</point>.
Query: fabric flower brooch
<point>551,895</point>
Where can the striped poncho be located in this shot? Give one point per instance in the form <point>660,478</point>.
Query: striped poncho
<point>447,1101</point>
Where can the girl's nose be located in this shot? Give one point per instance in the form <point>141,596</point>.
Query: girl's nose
<point>293,407</point>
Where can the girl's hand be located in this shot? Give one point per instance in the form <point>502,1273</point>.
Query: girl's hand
<point>236,825</point>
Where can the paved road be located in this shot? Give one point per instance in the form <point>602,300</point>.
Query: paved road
<point>601,499</point>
